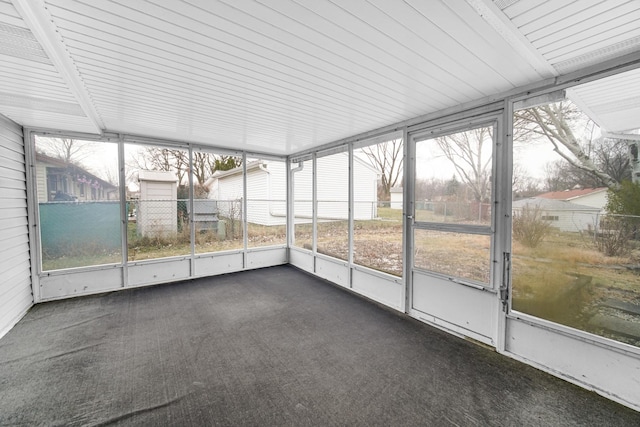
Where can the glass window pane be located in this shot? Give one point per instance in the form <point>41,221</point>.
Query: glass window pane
<point>157,195</point>
<point>333,205</point>
<point>266,202</point>
<point>575,219</point>
<point>377,234</point>
<point>78,201</point>
<point>303,204</point>
<point>435,250</point>
<point>218,202</point>
<point>453,177</point>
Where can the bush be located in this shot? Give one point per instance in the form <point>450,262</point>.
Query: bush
<point>529,228</point>
<point>614,235</point>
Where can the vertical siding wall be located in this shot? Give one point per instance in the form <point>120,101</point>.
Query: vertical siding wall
<point>15,272</point>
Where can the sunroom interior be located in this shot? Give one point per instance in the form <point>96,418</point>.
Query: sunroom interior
<point>472,165</point>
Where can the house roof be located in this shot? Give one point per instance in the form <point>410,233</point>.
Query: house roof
<point>285,77</point>
<point>551,205</point>
<point>571,194</point>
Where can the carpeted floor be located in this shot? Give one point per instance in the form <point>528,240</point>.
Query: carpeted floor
<point>271,347</point>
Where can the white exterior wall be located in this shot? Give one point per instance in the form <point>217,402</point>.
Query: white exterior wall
<point>333,186</point>
<point>267,194</point>
<point>41,180</point>
<point>15,262</point>
<point>574,221</point>
<point>596,200</point>
<point>230,196</point>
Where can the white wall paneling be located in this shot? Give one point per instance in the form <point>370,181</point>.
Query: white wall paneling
<point>333,270</point>
<point>15,262</point>
<point>220,263</point>
<point>612,372</point>
<point>302,259</point>
<point>70,283</point>
<point>380,287</point>
<point>265,257</point>
<point>466,310</point>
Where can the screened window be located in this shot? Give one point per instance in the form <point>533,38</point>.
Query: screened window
<point>157,196</point>
<point>377,191</point>
<point>266,202</point>
<point>78,228</point>
<point>575,213</point>
<point>453,193</point>
<point>302,181</point>
<point>333,205</point>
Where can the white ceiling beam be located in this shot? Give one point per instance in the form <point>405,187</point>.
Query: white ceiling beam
<point>36,16</point>
<point>491,13</point>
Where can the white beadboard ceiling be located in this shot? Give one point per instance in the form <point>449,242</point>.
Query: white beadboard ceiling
<point>282,76</point>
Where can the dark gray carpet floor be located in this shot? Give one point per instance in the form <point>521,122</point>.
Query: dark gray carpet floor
<point>267,347</point>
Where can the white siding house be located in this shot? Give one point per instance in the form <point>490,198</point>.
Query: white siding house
<point>594,197</point>
<point>563,215</point>
<point>266,192</point>
<point>55,178</point>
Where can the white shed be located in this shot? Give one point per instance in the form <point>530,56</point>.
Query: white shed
<point>158,205</point>
<point>396,198</point>
<point>563,215</point>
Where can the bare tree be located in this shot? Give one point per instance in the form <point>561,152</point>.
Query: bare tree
<point>162,159</point>
<point>523,184</point>
<point>555,122</point>
<point>386,157</point>
<point>470,154</point>
<point>67,149</point>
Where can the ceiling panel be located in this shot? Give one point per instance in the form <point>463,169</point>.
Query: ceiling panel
<point>32,91</point>
<point>577,34</point>
<point>613,102</point>
<point>281,76</point>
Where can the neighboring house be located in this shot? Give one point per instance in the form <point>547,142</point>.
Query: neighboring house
<point>396,198</point>
<point>561,214</point>
<point>267,192</point>
<point>62,181</point>
<point>594,197</point>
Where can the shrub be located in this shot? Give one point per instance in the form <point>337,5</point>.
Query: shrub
<point>614,235</point>
<point>529,228</point>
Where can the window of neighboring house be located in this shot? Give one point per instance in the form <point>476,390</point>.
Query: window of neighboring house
<point>549,218</point>
<point>81,187</point>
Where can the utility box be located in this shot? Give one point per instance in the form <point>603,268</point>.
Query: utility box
<point>205,217</point>
<point>158,206</point>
